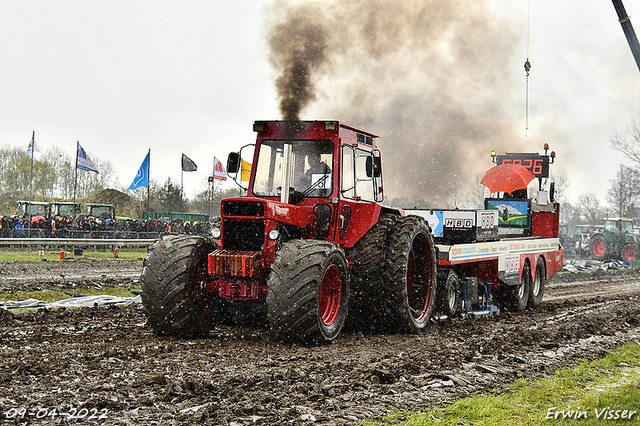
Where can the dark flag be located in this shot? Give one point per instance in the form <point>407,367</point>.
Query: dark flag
<point>188,165</point>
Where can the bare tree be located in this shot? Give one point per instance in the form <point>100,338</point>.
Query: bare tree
<point>562,185</point>
<point>628,143</point>
<point>625,190</point>
<point>591,208</point>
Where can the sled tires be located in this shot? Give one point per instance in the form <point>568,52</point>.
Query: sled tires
<point>448,294</point>
<point>536,288</point>
<point>171,279</point>
<point>368,276</point>
<point>516,297</point>
<point>411,276</point>
<point>308,295</point>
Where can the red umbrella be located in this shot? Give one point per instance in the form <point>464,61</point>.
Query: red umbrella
<point>507,178</point>
<point>36,218</point>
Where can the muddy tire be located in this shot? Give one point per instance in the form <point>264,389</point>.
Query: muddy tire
<point>599,247</point>
<point>515,297</point>
<point>368,276</point>
<point>172,274</point>
<point>411,276</point>
<point>448,294</point>
<point>536,289</point>
<point>628,252</point>
<point>308,295</point>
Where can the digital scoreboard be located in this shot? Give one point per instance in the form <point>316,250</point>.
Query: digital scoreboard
<point>535,163</point>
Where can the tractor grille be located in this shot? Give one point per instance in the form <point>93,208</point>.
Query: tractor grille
<point>235,263</point>
<point>232,208</point>
<point>242,235</point>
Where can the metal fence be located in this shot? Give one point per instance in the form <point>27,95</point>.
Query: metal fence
<point>76,242</point>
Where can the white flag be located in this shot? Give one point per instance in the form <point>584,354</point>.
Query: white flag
<point>33,147</point>
<point>218,170</point>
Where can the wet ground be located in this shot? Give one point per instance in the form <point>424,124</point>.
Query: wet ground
<point>103,365</point>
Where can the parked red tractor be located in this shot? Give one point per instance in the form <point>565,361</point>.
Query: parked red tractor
<point>311,241</point>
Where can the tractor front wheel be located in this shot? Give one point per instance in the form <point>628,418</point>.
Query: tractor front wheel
<point>308,293</point>
<point>173,281</point>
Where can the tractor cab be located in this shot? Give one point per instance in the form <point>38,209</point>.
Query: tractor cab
<point>618,226</point>
<point>330,171</point>
<point>64,209</point>
<point>29,209</point>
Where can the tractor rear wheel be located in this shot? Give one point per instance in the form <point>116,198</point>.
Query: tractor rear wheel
<point>411,276</point>
<point>536,289</point>
<point>448,294</point>
<point>628,252</point>
<point>173,281</point>
<point>599,247</point>
<point>368,276</point>
<point>308,293</point>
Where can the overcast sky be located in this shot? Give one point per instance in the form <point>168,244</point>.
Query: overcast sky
<point>190,77</point>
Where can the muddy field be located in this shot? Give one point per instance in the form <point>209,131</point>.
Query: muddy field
<point>103,365</point>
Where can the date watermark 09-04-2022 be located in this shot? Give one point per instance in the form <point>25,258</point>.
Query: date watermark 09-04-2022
<point>53,413</point>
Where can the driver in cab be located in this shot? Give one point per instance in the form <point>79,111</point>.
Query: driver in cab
<point>317,170</point>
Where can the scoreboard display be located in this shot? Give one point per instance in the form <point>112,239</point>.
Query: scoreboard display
<point>535,163</point>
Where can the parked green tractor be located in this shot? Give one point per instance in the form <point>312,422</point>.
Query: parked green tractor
<point>616,240</point>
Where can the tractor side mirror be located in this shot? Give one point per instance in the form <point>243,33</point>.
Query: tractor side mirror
<point>233,162</point>
<point>373,167</point>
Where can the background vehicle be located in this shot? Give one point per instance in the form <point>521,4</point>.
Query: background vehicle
<point>314,247</point>
<point>29,209</point>
<point>616,240</point>
<point>101,211</point>
<point>64,209</point>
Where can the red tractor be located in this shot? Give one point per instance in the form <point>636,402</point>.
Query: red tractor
<point>310,242</point>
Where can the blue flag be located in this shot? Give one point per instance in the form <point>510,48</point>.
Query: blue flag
<point>83,162</point>
<point>142,177</point>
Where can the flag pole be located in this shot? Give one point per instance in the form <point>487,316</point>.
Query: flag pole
<point>148,178</point>
<point>213,186</point>
<point>75,179</point>
<point>33,143</point>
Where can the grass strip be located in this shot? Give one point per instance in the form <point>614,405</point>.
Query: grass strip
<point>54,256</point>
<point>604,391</point>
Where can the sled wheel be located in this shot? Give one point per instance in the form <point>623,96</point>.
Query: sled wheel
<point>308,293</point>
<point>536,290</point>
<point>448,294</point>
<point>628,252</point>
<point>516,296</point>
<point>173,281</point>
<point>368,276</point>
<point>411,275</point>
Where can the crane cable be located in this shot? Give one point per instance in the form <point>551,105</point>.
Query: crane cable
<point>527,67</point>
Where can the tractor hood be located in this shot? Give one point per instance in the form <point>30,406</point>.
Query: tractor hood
<point>258,208</point>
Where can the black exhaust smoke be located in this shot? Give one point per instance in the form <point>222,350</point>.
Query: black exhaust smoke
<point>297,47</point>
<point>440,82</point>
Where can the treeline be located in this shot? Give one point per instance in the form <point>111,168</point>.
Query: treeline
<point>54,176</point>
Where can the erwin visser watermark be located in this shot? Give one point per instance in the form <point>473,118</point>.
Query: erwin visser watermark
<point>598,413</point>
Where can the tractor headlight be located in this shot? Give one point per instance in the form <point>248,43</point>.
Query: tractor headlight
<point>215,232</point>
<point>273,234</point>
